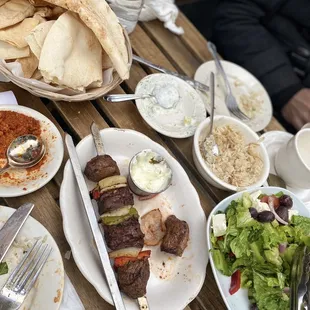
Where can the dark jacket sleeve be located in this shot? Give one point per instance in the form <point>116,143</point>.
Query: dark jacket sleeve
<point>241,38</point>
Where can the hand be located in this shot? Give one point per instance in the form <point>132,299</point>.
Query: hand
<point>297,110</point>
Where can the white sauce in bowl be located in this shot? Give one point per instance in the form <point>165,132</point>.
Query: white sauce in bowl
<point>150,172</point>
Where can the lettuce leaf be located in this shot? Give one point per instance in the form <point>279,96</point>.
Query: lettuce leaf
<point>220,262</point>
<point>268,293</point>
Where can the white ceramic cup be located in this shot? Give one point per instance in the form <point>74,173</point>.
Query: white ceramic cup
<point>306,126</point>
<point>292,162</point>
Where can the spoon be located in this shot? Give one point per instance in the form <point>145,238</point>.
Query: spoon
<point>125,97</point>
<point>24,152</point>
<point>166,96</point>
<point>214,148</point>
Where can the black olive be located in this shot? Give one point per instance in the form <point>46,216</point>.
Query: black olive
<point>253,307</point>
<point>283,213</point>
<point>286,201</point>
<point>265,216</point>
<point>253,212</point>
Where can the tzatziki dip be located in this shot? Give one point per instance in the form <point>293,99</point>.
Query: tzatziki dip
<point>150,172</point>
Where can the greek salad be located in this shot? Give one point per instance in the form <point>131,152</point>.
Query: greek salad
<point>254,241</point>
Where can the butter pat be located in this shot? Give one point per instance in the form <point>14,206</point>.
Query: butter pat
<point>219,224</point>
<point>150,172</point>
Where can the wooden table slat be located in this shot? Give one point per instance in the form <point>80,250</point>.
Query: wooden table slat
<point>173,47</point>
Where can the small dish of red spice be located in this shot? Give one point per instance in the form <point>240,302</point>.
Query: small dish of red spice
<point>13,125</point>
<point>15,121</point>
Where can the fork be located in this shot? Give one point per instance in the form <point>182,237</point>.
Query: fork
<point>24,276</point>
<point>231,101</point>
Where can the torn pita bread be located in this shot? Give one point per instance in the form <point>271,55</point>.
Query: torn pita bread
<point>8,51</point>
<point>37,75</point>
<point>44,11</point>
<point>48,12</point>
<point>106,61</point>
<point>14,11</point>
<point>38,3</point>
<point>100,18</point>
<point>71,55</point>
<point>15,35</point>
<point>3,1</point>
<point>29,65</point>
<point>37,37</point>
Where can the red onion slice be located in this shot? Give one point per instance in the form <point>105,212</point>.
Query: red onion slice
<point>271,206</point>
<point>282,247</point>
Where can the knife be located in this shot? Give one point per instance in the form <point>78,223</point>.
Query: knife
<point>90,212</point>
<point>300,278</point>
<point>12,227</point>
<point>193,83</point>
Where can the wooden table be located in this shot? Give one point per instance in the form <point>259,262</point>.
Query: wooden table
<point>153,42</point>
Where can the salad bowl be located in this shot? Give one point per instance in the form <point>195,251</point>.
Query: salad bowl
<point>235,298</point>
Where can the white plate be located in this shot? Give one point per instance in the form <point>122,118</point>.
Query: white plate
<point>48,290</point>
<point>248,85</point>
<point>20,182</point>
<point>182,278</point>
<point>273,140</point>
<point>239,301</point>
<point>171,122</point>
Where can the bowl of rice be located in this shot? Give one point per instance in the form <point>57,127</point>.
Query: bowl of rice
<point>242,163</point>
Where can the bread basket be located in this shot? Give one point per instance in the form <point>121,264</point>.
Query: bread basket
<point>90,94</point>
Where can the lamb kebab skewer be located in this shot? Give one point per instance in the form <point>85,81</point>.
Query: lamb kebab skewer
<point>120,222</point>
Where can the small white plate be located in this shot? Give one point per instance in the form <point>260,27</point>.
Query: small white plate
<point>273,140</point>
<point>20,182</point>
<point>244,85</point>
<point>240,301</point>
<point>179,121</point>
<point>48,290</point>
<point>174,281</point>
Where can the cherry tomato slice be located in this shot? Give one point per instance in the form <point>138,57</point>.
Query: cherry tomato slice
<point>235,282</point>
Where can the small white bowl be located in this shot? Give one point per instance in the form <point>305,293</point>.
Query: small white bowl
<point>249,135</point>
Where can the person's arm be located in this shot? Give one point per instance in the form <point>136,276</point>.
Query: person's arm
<point>241,38</point>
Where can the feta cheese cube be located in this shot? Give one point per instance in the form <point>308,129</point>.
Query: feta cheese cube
<point>291,213</point>
<point>219,224</point>
<point>260,206</point>
<point>255,195</point>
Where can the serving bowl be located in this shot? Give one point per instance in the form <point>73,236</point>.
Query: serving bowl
<point>239,300</point>
<point>250,137</point>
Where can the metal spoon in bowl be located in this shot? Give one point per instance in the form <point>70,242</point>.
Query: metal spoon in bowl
<point>24,152</point>
<point>166,96</point>
<point>214,149</point>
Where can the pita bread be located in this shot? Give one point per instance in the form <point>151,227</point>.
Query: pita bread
<point>8,51</point>
<point>100,18</point>
<point>29,65</point>
<point>38,3</point>
<point>71,55</point>
<point>44,11</point>
<point>37,75</point>
<point>15,35</point>
<point>14,12</point>
<point>37,37</point>
<point>3,1</point>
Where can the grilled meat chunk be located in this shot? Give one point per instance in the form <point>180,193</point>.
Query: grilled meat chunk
<point>114,199</point>
<point>124,235</point>
<point>177,235</point>
<point>133,277</point>
<point>101,167</point>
